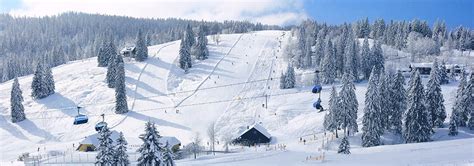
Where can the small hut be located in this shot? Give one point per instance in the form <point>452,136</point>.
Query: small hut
<point>173,142</point>
<point>128,52</point>
<point>255,134</point>
<point>90,143</point>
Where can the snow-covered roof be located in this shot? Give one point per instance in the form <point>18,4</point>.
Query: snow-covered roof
<point>423,65</point>
<point>259,128</point>
<point>172,141</point>
<point>93,139</point>
<point>127,49</point>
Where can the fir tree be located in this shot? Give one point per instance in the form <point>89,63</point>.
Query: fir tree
<point>328,65</point>
<point>365,55</point>
<point>290,78</point>
<point>308,58</point>
<point>417,122</point>
<point>352,60</point>
<point>111,71</point>
<point>141,48</point>
<point>103,56</point>
<point>151,151</point>
<point>38,86</point>
<point>185,61</point>
<point>398,103</point>
<point>371,119</point>
<point>16,99</point>
<point>189,37</point>
<point>105,151</point>
<point>282,81</point>
<point>453,129</point>
<point>202,52</point>
<point>443,74</point>
<point>469,101</point>
<point>168,156</point>
<point>348,104</point>
<point>344,147</point>
<point>320,44</point>
<point>377,59</point>
<point>459,112</point>
<point>434,98</point>
<point>384,101</point>
<point>49,81</point>
<point>334,118</point>
<point>121,106</point>
<point>120,155</point>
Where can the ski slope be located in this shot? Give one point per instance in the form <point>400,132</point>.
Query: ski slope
<point>228,89</point>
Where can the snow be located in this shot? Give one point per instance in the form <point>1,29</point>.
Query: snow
<point>229,89</point>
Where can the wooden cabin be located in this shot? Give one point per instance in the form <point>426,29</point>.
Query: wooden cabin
<point>128,52</point>
<point>90,143</point>
<point>255,134</point>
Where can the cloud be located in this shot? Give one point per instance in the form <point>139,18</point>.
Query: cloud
<point>280,12</point>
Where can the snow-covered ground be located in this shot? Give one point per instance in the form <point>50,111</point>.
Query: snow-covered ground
<point>229,89</point>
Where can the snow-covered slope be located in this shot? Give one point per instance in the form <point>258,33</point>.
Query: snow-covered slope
<point>229,89</point>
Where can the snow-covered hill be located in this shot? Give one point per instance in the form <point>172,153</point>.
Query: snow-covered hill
<point>229,89</point>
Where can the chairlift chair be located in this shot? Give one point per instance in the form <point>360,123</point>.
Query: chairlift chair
<point>79,118</point>
<point>101,125</point>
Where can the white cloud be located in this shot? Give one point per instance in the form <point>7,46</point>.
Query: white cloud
<point>279,12</point>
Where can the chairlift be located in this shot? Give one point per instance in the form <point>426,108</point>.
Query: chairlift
<point>80,119</point>
<point>317,89</point>
<point>101,125</point>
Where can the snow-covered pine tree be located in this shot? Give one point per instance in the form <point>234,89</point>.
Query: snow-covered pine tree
<point>151,151</point>
<point>443,74</point>
<point>111,51</point>
<point>344,147</point>
<point>371,118</point>
<point>38,87</point>
<point>105,151</point>
<point>365,61</point>
<point>148,39</point>
<point>453,129</point>
<point>469,91</point>
<point>282,81</point>
<point>434,98</point>
<point>417,122</point>
<point>16,99</point>
<point>49,81</point>
<point>189,37</point>
<point>185,61</point>
<point>352,59</point>
<point>328,66</point>
<point>384,101</point>
<point>348,104</point>
<point>398,102</point>
<point>141,48</point>
<point>121,105</point>
<point>168,155</point>
<point>320,44</point>
<point>335,119</point>
<point>120,155</point>
<point>460,107</point>
<point>111,71</point>
<point>202,52</point>
<point>377,58</point>
<point>298,60</point>
<point>290,77</point>
<point>103,54</point>
<point>308,57</point>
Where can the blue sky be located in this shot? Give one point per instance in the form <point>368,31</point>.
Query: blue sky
<point>281,12</point>
<point>454,12</point>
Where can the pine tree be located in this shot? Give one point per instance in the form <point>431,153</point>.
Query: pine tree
<point>282,81</point>
<point>141,48</point>
<point>185,61</point>
<point>120,155</point>
<point>334,118</point>
<point>371,118</point>
<point>459,108</point>
<point>202,52</point>
<point>168,156</point>
<point>398,103</point>
<point>434,98</point>
<point>49,81</point>
<point>384,101</point>
<point>328,65</point>
<point>352,60</point>
<point>469,101</point>
<point>308,59</point>
<point>151,151</point>
<point>112,71</point>
<point>344,147</point>
<point>348,104</point>
<point>121,106</point>
<point>16,99</point>
<point>105,151</point>
<point>38,86</point>
<point>417,123</point>
<point>365,55</point>
<point>103,55</point>
<point>453,129</point>
<point>189,37</point>
<point>443,74</point>
<point>290,78</point>
<point>377,59</point>
<point>320,44</point>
